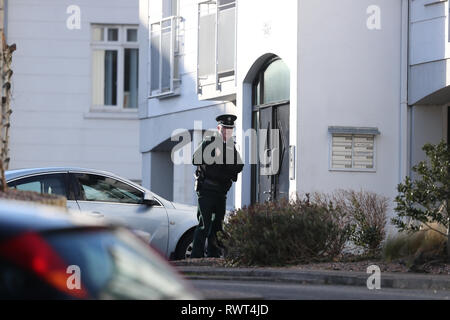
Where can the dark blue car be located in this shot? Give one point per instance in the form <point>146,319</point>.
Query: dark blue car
<point>50,254</point>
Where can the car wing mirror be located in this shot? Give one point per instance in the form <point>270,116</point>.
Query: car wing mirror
<point>149,200</point>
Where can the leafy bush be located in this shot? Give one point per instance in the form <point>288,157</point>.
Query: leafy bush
<point>365,212</point>
<point>424,201</point>
<point>284,232</point>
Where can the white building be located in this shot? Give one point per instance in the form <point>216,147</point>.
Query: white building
<point>75,84</point>
<point>356,87</point>
<point>429,77</point>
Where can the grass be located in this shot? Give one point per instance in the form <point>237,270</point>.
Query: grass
<point>416,248</point>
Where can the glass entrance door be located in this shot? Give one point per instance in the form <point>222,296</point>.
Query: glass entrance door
<point>272,170</point>
<point>270,176</point>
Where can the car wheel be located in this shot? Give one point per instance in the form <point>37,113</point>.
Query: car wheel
<point>188,252</point>
<point>184,248</point>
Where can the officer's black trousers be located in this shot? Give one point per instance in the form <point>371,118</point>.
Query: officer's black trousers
<point>210,213</point>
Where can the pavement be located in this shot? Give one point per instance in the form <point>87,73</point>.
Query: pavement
<point>318,277</point>
<point>270,290</point>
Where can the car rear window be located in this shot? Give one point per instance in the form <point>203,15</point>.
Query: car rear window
<point>114,264</point>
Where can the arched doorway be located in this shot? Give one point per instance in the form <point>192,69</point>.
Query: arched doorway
<point>270,119</point>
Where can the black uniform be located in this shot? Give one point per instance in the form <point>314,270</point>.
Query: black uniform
<point>213,180</point>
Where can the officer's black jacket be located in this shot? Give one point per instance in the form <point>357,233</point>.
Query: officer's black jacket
<point>219,172</point>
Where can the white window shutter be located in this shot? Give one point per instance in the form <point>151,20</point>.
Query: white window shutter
<point>341,157</point>
<point>363,152</point>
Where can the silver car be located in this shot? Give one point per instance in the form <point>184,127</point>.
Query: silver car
<point>170,226</point>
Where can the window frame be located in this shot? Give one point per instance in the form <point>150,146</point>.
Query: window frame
<point>174,79</point>
<point>259,80</point>
<point>77,186</point>
<point>216,78</point>
<point>126,28</point>
<point>70,192</point>
<point>120,45</point>
<point>80,187</point>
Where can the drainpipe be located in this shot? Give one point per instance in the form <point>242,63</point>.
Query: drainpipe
<point>403,112</point>
<point>403,124</point>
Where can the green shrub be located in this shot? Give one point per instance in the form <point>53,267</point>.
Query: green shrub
<point>369,214</point>
<point>424,200</point>
<point>284,232</point>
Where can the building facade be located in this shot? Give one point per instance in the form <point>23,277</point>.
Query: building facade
<point>75,84</point>
<point>429,77</point>
<point>329,94</point>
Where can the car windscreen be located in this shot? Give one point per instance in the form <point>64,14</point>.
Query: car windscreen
<point>113,264</point>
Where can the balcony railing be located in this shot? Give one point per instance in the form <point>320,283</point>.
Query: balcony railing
<point>216,47</point>
<point>164,49</point>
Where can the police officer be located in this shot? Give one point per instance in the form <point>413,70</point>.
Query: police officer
<point>218,165</point>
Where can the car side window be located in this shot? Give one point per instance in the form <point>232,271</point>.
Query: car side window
<point>45,183</point>
<point>100,188</point>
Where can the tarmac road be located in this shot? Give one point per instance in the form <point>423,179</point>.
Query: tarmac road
<point>230,289</point>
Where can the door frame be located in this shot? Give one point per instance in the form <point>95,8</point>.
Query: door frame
<point>254,174</point>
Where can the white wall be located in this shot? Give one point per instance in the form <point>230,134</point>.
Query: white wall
<point>428,126</point>
<point>428,31</point>
<point>429,72</point>
<point>162,174</point>
<point>429,48</point>
<point>348,76</point>
<point>51,122</point>
<point>182,177</point>
<point>342,74</point>
<point>266,28</point>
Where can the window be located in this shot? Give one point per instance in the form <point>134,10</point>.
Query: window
<point>216,43</point>
<point>164,51</point>
<point>272,84</point>
<point>100,188</point>
<point>353,148</point>
<point>114,264</point>
<point>115,58</point>
<point>48,184</point>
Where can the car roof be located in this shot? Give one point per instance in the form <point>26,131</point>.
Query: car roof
<point>20,216</point>
<point>11,174</point>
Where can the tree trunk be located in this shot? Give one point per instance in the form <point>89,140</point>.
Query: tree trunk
<point>6,53</point>
<point>448,246</point>
<point>446,203</point>
<point>448,242</point>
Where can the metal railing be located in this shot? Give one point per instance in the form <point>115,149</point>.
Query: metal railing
<point>219,10</point>
<point>158,29</point>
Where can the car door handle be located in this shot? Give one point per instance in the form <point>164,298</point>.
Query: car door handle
<point>96,214</point>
